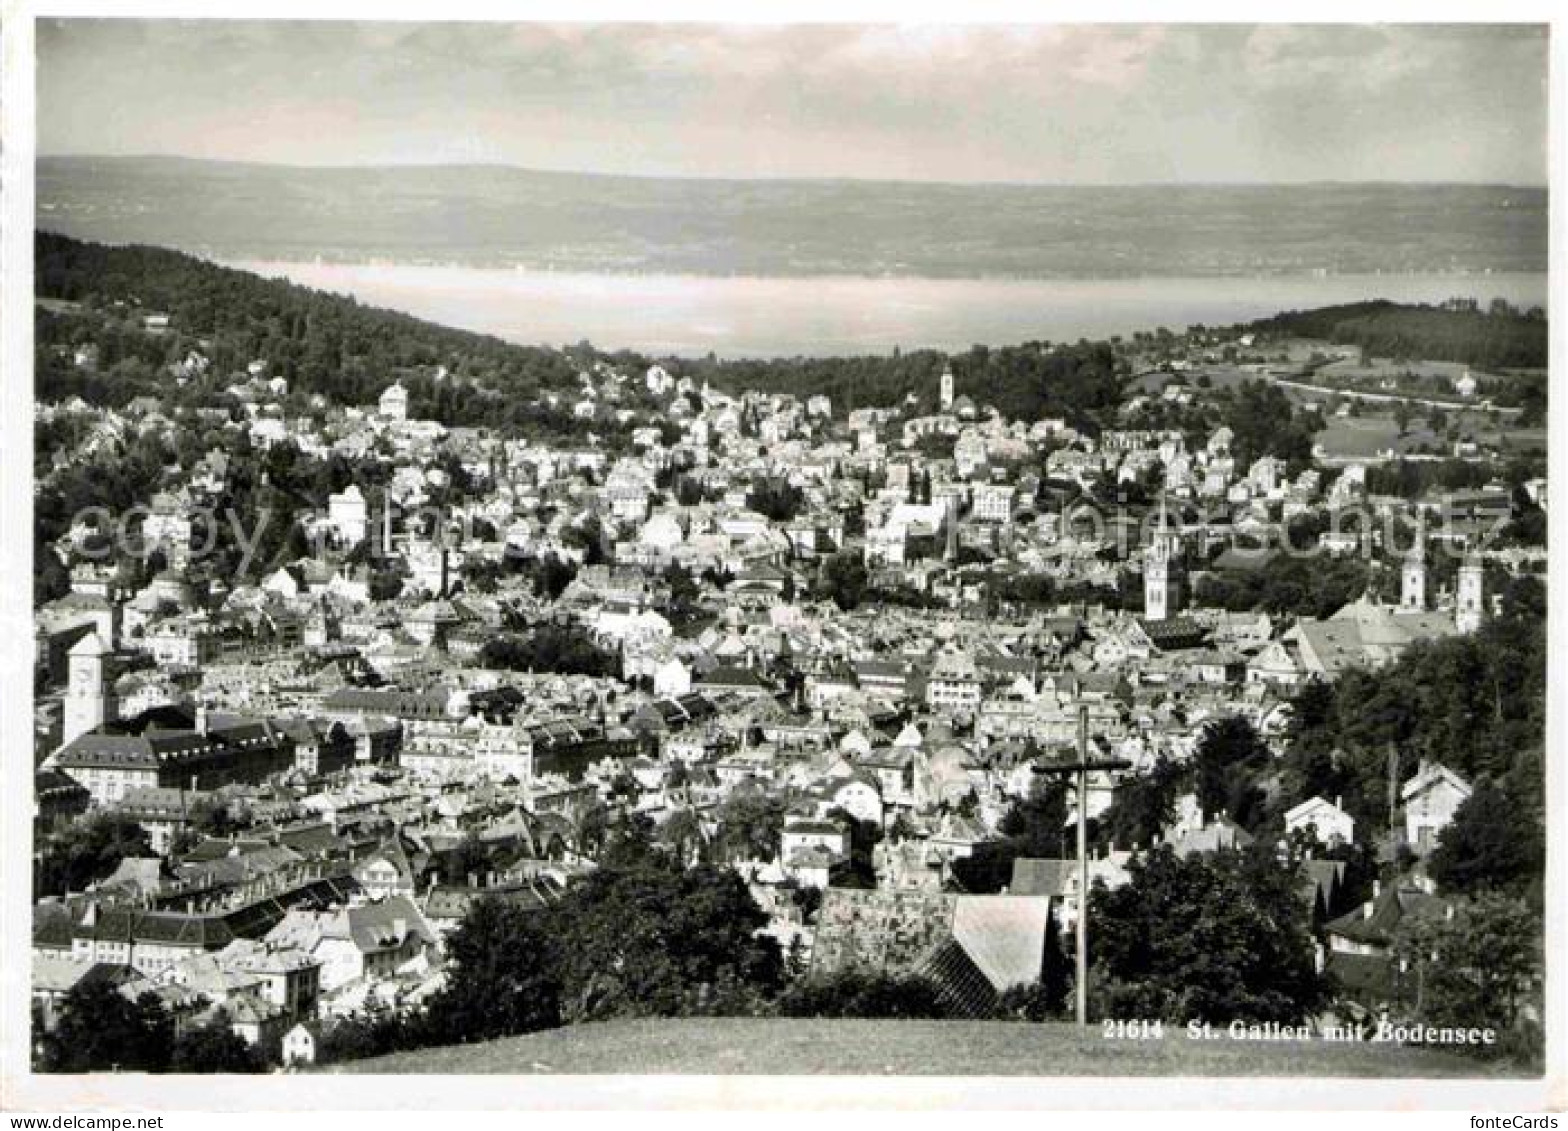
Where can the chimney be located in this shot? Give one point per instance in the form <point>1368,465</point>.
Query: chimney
<point>400,928</point>
<point>1339,801</point>
<point>1366,910</point>
<point>1317,957</point>
<point>1377,888</point>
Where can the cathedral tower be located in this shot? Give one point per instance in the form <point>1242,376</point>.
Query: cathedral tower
<point>1470,607</point>
<point>1162,570</point>
<point>89,695</point>
<point>1412,578</point>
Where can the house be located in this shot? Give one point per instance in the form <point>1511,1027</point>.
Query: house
<point>953,687</point>
<point>803,834</point>
<point>1360,944</point>
<point>299,1045</point>
<point>1325,820</point>
<point>1430,800</point>
<point>1058,879</point>
<point>1217,835</point>
<point>367,941</point>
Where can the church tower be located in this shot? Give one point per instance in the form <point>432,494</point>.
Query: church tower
<point>1412,579</point>
<point>1470,607</point>
<point>89,694</point>
<point>1162,570</point>
<point>946,397</point>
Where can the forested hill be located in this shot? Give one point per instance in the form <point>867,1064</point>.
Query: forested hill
<point>1500,337</point>
<point>322,343</point>
<point>330,344</point>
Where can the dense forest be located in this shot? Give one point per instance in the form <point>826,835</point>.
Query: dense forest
<point>1024,382</point>
<point>1500,337</point>
<point>320,343</point>
<point>348,352</point>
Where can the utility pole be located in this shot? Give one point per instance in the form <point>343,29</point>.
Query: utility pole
<point>1080,768</point>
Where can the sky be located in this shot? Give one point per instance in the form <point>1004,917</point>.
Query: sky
<point>1064,103</point>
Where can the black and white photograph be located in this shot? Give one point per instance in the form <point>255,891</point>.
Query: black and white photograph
<point>663,548</point>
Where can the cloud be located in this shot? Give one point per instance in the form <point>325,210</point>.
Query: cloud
<point>946,101</point>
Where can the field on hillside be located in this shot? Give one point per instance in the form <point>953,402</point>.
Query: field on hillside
<point>761,1047</point>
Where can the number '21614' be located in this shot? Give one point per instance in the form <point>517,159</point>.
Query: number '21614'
<point>1138,1030</point>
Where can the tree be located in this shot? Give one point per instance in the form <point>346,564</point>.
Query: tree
<point>750,824</point>
<point>214,1047</point>
<point>1142,806</point>
<point>100,1029</point>
<point>208,816</point>
<point>551,575</point>
<point>1033,826</point>
<point>88,850</point>
<point>844,579</point>
<point>857,992</point>
<point>683,587</point>
<point>1216,937</point>
<point>1263,421</point>
<point>1479,967</point>
<point>373,1031</point>
<point>646,937</point>
<point>1229,753</point>
<point>549,648</point>
<point>503,977</point>
<point>682,834</point>
<point>775,498</point>
<point>1496,842</point>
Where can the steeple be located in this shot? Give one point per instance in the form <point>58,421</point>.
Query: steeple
<point>1162,568</point>
<point>1412,587</point>
<point>1470,602</point>
<point>89,697</point>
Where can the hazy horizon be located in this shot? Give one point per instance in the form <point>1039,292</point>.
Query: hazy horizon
<point>415,163</point>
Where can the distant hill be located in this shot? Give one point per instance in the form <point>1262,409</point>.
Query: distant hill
<point>1490,339</point>
<point>321,343</point>
<point>503,216</point>
<point>779,1046</point>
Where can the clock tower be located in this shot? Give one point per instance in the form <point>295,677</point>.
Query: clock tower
<point>89,695</point>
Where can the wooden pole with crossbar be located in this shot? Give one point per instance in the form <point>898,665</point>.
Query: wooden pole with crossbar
<point>1080,770</point>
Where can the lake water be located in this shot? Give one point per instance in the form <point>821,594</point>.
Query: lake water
<point>691,315</point>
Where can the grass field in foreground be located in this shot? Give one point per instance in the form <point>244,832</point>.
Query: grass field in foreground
<point>762,1047</point>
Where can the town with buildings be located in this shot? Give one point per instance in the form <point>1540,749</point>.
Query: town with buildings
<point>785,639</point>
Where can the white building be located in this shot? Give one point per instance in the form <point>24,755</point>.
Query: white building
<point>394,402</point>
<point>348,513</point>
<point>993,502</point>
<point>1430,800</point>
<point>1326,820</point>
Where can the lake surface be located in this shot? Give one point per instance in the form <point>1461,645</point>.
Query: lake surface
<point>691,315</point>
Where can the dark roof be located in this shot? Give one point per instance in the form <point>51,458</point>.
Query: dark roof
<point>1388,911</point>
<point>1176,633</point>
<point>53,783</point>
<point>967,990</point>
<point>205,932</point>
<point>728,675</point>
